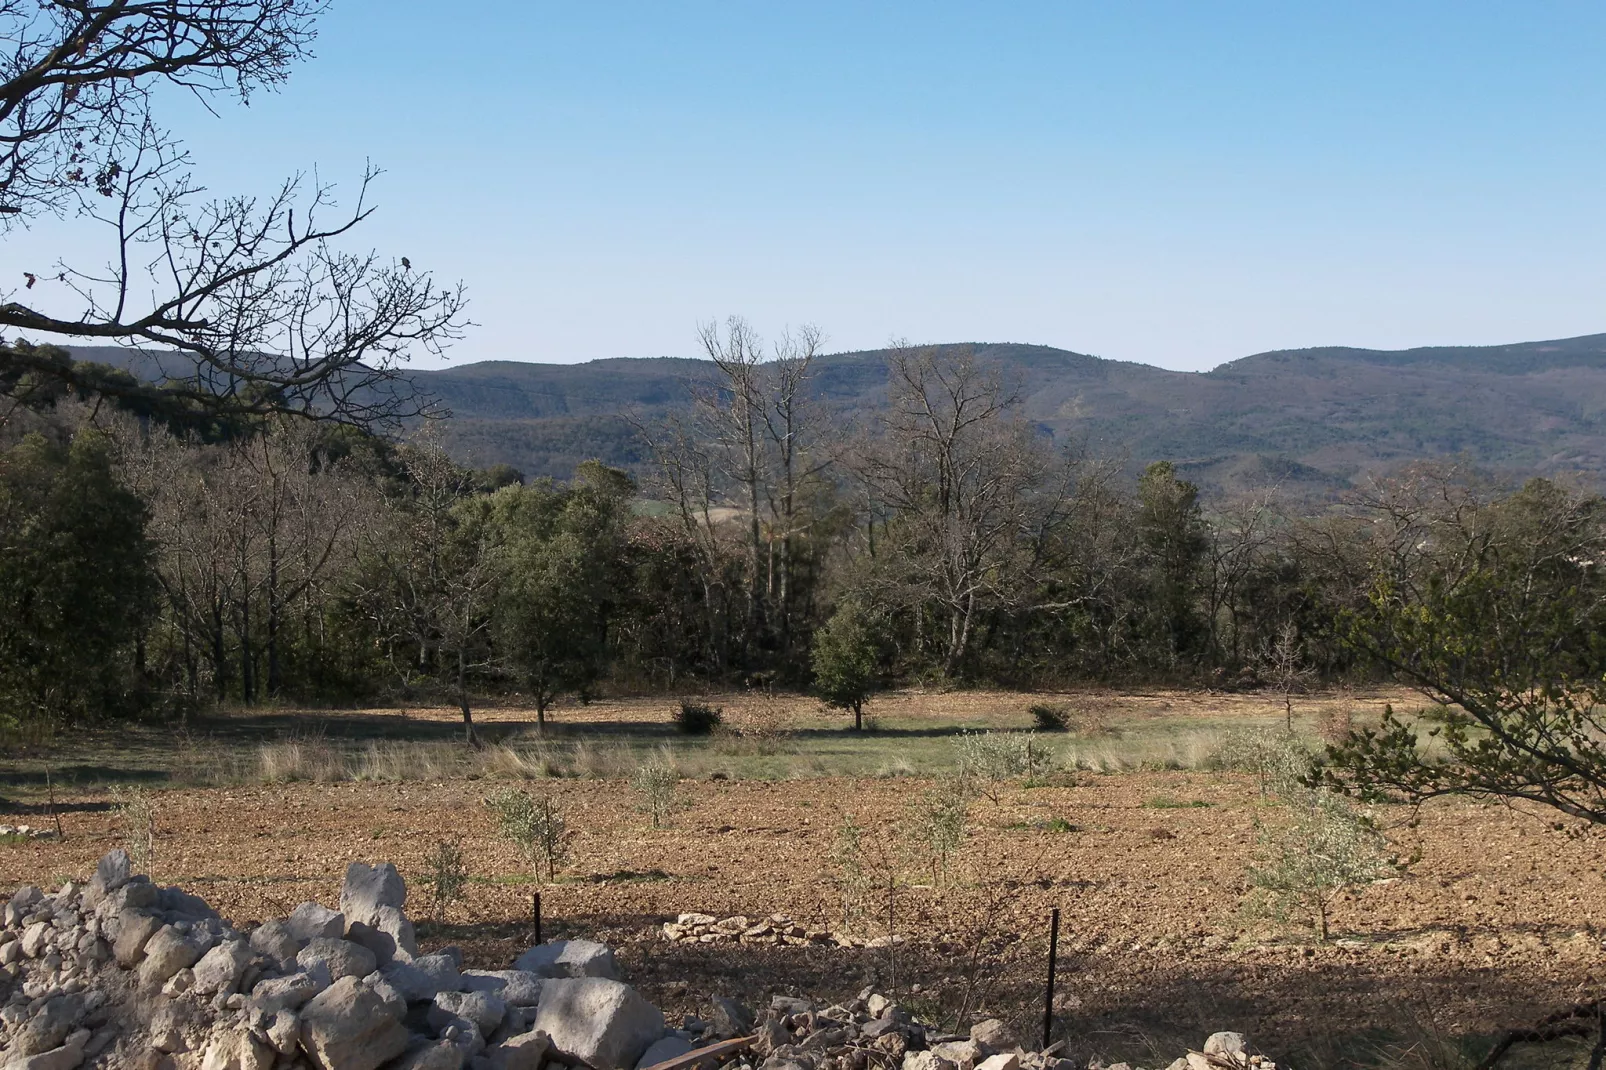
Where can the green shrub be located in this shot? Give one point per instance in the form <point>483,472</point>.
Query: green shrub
<point>988,760</point>
<point>1046,718</point>
<point>534,825</point>
<point>1302,865</point>
<point>658,786</point>
<point>446,874</point>
<point>696,719</point>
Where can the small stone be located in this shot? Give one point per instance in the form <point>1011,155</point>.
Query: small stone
<point>994,1035</point>
<point>166,953</point>
<point>1007,1060</point>
<point>220,969</point>
<point>730,1018</point>
<point>1226,1044</point>
<point>483,1009</point>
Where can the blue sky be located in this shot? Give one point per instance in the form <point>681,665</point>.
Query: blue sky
<point>1174,183</point>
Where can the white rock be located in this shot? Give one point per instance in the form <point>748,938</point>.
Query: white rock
<point>1226,1044</point>
<point>166,953</point>
<point>523,1052</point>
<point>518,988</point>
<point>290,992</point>
<point>994,1035</point>
<point>36,939</point>
<point>367,888</point>
<point>925,1060</point>
<point>236,1049</point>
<point>669,1047</point>
<point>483,1009</point>
<point>341,958</point>
<point>309,921</point>
<point>113,871</point>
<point>220,969</point>
<point>387,933</point>
<point>600,1022</point>
<point>346,1027</point>
<point>1007,1060</point>
<point>569,958</point>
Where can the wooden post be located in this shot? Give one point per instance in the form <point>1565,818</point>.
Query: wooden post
<point>535,912</point>
<point>1053,956</point>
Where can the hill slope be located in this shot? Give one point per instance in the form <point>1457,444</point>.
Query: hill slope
<point>1312,418</point>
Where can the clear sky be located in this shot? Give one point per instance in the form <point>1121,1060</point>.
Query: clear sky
<point>1175,183</point>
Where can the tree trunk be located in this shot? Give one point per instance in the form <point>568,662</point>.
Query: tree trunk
<point>858,717</point>
<point>469,735</point>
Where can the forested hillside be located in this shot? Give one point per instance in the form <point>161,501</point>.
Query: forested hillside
<point>1308,419</point>
<point>782,525</point>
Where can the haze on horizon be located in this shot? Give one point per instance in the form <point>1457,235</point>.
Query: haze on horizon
<point>1170,183</point>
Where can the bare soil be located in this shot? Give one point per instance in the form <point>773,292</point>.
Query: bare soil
<point>1499,919</point>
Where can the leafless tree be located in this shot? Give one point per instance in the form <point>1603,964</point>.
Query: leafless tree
<point>960,472</point>
<point>245,307</point>
<point>429,577</point>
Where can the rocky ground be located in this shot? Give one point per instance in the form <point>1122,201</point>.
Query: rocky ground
<point>123,973</point>
<point>1499,920</point>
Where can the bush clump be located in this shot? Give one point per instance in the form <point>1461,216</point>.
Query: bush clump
<point>696,719</point>
<point>1047,718</point>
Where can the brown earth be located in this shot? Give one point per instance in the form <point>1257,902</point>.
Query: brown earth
<point>1501,917</point>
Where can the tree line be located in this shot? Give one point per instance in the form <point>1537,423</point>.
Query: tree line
<point>771,542</point>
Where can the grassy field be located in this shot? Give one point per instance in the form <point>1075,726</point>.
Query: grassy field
<point>1136,835</point>
<point>908,733</point>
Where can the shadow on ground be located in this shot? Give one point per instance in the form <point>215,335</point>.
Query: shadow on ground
<point>1148,1011</point>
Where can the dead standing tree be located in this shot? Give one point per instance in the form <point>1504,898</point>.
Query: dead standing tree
<point>250,307</point>
<point>960,477</point>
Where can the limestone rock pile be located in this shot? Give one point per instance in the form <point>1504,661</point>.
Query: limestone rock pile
<point>122,974</point>
<point>27,832</point>
<point>777,929</point>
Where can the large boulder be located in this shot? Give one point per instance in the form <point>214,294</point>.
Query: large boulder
<point>569,958</point>
<point>113,871</point>
<point>341,958</point>
<point>483,1009</point>
<point>368,889</point>
<point>600,1022</point>
<point>166,953</point>
<point>220,969</point>
<point>387,933</point>
<point>420,979</point>
<point>348,1027</point>
<point>275,940</point>
<point>286,993</point>
<point>309,921</point>
<point>517,988</point>
<point>49,1026</point>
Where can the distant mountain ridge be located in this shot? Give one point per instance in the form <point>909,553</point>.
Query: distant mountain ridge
<point>1314,419</point>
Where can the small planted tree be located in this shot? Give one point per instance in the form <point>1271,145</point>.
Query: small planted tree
<point>534,825</point>
<point>1303,865</point>
<point>939,818</point>
<point>989,760</point>
<point>446,874</point>
<point>846,657</point>
<point>1283,665</point>
<point>658,787</point>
